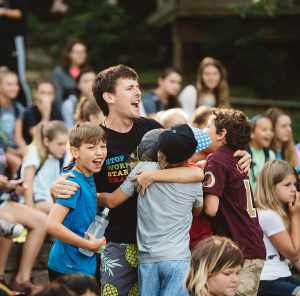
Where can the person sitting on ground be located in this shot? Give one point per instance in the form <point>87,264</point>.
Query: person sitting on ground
<point>279,214</point>
<point>34,221</point>
<point>164,96</point>
<point>43,162</point>
<point>44,108</point>
<point>261,137</point>
<point>283,143</point>
<point>74,59</point>
<point>11,119</point>
<point>211,88</point>
<point>84,84</point>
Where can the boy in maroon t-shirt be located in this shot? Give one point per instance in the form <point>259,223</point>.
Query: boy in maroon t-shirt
<point>227,194</point>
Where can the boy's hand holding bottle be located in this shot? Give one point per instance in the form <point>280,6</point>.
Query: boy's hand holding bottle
<point>94,244</point>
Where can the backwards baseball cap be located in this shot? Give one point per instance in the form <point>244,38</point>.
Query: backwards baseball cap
<point>147,149</point>
<point>180,142</point>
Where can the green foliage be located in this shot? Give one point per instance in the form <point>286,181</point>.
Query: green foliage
<point>262,7</point>
<point>112,35</point>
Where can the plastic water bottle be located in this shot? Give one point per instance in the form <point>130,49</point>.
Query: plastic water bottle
<point>97,229</point>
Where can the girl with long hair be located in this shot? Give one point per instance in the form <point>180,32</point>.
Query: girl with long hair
<point>74,59</point>
<point>42,163</point>
<point>279,217</point>
<point>215,267</point>
<point>164,96</point>
<point>11,119</point>
<point>211,87</point>
<point>283,143</point>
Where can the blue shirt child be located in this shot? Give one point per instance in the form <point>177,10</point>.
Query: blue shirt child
<point>66,258</point>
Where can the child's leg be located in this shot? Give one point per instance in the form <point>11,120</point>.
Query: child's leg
<point>5,245</point>
<point>13,161</point>
<point>43,206</point>
<point>35,221</point>
<point>250,276</point>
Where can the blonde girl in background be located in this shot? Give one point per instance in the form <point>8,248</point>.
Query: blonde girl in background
<point>211,88</point>
<point>279,217</point>
<point>215,268</point>
<point>88,110</point>
<point>42,163</point>
<point>11,118</point>
<point>283,143</point>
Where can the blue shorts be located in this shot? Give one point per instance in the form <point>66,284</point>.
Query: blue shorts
<point>288,286</point>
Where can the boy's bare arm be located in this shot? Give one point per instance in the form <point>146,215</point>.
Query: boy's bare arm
<point>112,200</point>
<point>211,204</point>
<point>55,227</point>
<point>145,178</point>
<point>197,211</point>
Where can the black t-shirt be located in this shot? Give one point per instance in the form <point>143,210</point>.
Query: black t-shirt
<point>9,26</point>
<point>120,146</point>
<point>32,117</point>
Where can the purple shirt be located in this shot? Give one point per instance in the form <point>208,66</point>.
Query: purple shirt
<point>236,217</point>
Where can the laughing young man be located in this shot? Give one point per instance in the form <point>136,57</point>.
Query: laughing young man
<point>118,94</point>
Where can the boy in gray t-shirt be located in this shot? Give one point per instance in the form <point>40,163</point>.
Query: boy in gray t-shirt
<point>165,211</point>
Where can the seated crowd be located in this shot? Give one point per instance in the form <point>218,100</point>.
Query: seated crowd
<point>203,200</point>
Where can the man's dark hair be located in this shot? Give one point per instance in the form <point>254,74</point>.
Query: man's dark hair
<point>237,125</point>
<point>106,82</point>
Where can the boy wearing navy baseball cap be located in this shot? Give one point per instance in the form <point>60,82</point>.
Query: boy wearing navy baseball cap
<point>165,211</point>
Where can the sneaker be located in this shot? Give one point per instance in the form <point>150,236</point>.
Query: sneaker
<point>10,229</point>
<point>26,287</point>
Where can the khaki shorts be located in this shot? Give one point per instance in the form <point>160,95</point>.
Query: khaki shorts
<point>250,276</point>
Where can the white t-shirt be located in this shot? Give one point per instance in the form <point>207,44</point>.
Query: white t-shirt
<point>47,174</point>
<point>275,265</point>
<point>188,100</point>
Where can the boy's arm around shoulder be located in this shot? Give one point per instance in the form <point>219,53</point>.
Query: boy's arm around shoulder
<point>112,200</point>
<point>145,178</point>
<point>120,195</point>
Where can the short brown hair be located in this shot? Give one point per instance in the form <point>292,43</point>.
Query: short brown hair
<point>106,82</point>
<point>237,125</point>
<point>86,132</point>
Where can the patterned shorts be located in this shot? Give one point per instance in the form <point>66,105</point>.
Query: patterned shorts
<point>119,270</point>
